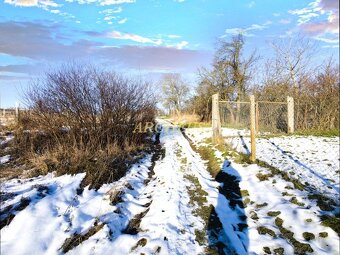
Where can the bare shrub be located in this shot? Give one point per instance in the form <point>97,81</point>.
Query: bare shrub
<point>316,98</point>
<point>80,115</point>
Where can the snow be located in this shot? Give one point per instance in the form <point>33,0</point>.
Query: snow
<point>270,191</point>
<point>36,230</point>
<point>6,140</point>
<point>162,202</point>
<point>5,159</point>
<point>314,160</point>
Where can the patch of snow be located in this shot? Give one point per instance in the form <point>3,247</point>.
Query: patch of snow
<point>5,159</point>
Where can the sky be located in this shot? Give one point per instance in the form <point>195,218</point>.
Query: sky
<point>147,37</point>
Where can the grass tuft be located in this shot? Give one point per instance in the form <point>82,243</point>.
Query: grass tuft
<point>264,230</point>
<point>273,213</point>
<point>308,236</point>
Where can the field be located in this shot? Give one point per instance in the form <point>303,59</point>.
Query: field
<point>188,196</point>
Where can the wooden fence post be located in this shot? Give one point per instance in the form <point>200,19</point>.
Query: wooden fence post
<point>252,128</point>
<point>290,114</point>
<point>216,121</point>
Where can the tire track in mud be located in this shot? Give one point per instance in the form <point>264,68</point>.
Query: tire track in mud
<point>227,235</point>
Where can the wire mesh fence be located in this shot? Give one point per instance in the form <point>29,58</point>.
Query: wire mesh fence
<point>258,128</point>
<point>271,117</point>
<point>251,119</point>
<point>234,114</point>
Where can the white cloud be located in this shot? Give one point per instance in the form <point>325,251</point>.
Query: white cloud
<point>112,2</point>
<point>320,19</point>
<point>108,18</point>
<point>132,37</point>
<point>331,46</point>
<point>329,39</point>
<point>246,31</point>
<point>55,11</point>
<point>236,31</point>
<point>181,45</point>
<point>251,4</point>
<point>103,2</point>
<point>109,15</point>
<point>43,4</point>
<point>122,21</point>
<point>305,15</point>
<point>111,11</point>
<point>174,36</point>
<point>29,3</point>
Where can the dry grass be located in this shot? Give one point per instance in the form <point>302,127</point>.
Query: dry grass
<point>184,118</point>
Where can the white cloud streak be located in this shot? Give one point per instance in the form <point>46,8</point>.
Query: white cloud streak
<point>102,2</point>
<point>30,3</point>
<point>122,21</point>
<point>247,31</point>
<point>133,37</point>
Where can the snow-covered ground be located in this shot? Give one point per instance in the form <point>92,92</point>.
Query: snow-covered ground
<point>314,160</point>
<point>151,210</point>
<point>167,224</point>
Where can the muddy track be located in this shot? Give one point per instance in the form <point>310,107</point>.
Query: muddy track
<point>133,227</point>
<point>230,189</point>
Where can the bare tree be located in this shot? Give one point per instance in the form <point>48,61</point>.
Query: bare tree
<point>237,69</point>
<point>175,91</point>
<point>230,76</point>
<point>293,56</point>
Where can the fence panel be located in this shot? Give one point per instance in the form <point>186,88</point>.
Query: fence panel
<point>235,114</point>
<point>271,117</point>
<point>253,119</point>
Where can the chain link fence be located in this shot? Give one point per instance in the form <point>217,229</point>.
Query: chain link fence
<point>234,114</point>
<point>260,128</point>
<point>271,118</point>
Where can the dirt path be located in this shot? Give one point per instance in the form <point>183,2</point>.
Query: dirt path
<point>178,218</point>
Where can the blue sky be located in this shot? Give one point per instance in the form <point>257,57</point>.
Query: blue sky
<point>147,37</point>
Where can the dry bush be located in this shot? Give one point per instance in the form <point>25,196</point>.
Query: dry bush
<point>82,119</point>
<point>316,99</point>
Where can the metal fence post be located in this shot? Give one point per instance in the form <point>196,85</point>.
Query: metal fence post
<point>216,121</point>
<point>290,114</point>
<point>252,128</point>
